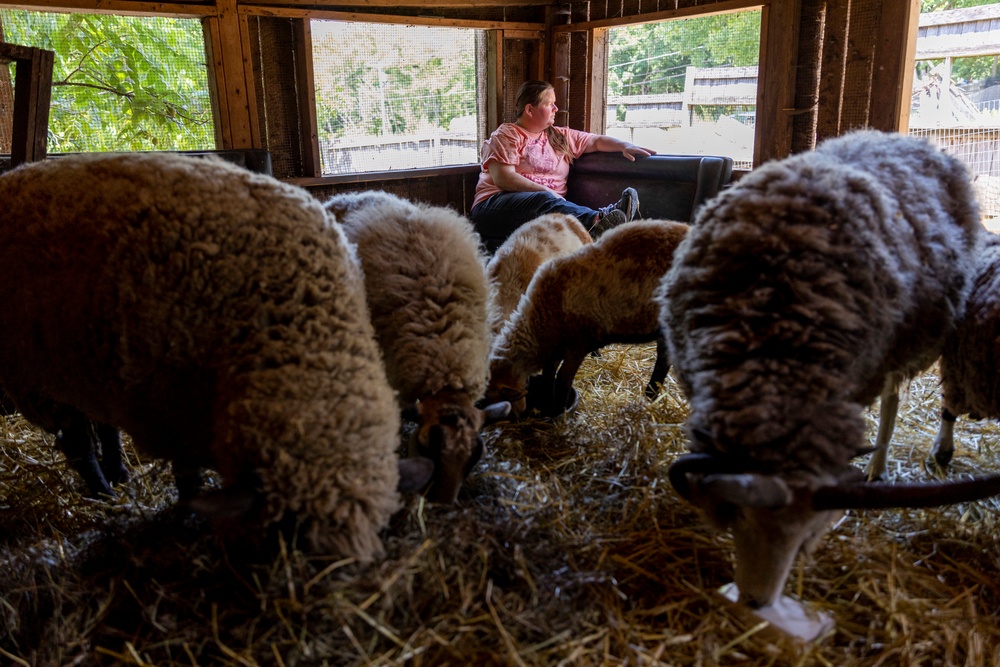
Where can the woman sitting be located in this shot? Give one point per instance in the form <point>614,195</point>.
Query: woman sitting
<point>525,165</point>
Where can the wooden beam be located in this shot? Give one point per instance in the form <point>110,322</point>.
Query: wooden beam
<point>231,68</point>
<point>779,24</point>
<point>494,80</point>
<point>311,164</point>
<point>295,13</point>
<point>832,65</point>
<point>726,7</point>
<point>32,99</point>
<point>597,98</point>
<point>120,7</point>
<point>892,77</point>
<point>431,4</point>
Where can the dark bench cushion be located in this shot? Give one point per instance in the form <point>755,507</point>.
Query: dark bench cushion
<point>670,187</point>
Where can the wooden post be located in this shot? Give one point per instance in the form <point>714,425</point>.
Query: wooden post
<point>237,124</point>
<point>597,86</point>
<point>32,98</point>
<point>311,163</point>
<point>892,74</point>
<point>776,88</point>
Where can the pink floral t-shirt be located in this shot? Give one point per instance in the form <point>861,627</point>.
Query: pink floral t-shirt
<point>531,155</point>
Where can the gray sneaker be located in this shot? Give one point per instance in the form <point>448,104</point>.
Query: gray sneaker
<point>612,215</point>
<point>606,220</point>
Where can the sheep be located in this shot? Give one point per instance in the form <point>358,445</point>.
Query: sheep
<point>515,262</point>
<point>212,315</point>
<point>426,288</point>
<point>799,294</point>
<point>601,294</point>
<point>970,361</point>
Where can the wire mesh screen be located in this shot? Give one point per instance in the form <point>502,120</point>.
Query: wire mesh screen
<point>687,86</point>
<point>121,83</point>
<point>392,97</point>
<point>956,100</point>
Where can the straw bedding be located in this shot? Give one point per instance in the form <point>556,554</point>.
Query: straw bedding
<point>568,547</point>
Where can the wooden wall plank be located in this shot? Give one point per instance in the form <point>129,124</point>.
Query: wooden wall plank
<point>309,132</point>
<point>892,77</point>
<point>32,98</point>
<point>597,98</point>
<point>776,80</point>
<point>832,64</point>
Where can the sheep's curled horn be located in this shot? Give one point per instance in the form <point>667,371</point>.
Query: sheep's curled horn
<point>728,480</point>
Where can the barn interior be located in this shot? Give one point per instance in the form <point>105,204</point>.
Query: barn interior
<point>568,545</point>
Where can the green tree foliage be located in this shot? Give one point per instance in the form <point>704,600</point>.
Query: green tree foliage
<point>121,83</point>
<point>964,70</point>
<point>652,58</point>
<point>378,80</point>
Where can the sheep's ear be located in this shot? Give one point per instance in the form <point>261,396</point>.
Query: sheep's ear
<point>225,504</point>
<point>415,474</point>
<point>496,411</point>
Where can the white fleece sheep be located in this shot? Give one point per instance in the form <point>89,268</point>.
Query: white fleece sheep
<point>970,361</point>
<point>599,295</point>
<point>802,293</point>
<point>212,315</point>
<point>426,288</point>
<point>515,262</point>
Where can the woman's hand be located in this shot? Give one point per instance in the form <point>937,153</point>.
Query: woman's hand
<point>607,144</point>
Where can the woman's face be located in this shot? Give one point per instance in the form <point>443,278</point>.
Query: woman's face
<point>543,114</point>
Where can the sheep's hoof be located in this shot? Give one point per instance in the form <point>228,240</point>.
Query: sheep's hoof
<point>942,458</point>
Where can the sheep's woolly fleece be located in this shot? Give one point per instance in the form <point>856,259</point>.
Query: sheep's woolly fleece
<point>971,358</point>
<point>209,313</point>
<point>515,262</point>
<point>427,292</point>
<point>603,293</point>
<point>803,286</point>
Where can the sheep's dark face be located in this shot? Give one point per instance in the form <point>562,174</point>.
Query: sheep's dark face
<point>448,434</point>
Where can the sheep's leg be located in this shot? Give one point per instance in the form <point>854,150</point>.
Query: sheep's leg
<point>563,386</point>
<point>944,443</point>
<point>112,464</point>
<point>77,441</point>
<point>660,369</point>
<point>886,424</point>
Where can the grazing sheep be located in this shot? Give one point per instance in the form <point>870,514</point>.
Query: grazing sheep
<point>213,316</point>
<point>796,295</point>
<point>512,267</point>
<point>426,288</point>
<point>599,295</point>
<point>970,361</point>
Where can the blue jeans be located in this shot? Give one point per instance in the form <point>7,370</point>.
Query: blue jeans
<point>496,218</point>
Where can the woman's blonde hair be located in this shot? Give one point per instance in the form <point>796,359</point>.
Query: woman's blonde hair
<point>531,93</point>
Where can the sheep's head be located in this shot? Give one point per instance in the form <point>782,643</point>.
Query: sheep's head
<point>448,434</point>
<point>507,386</point>
<point>771,517</point>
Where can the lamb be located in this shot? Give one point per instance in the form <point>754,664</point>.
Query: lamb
<point>512,267</point>
<point>212,315</point>
<point>798,296</point>
<point>970,361</point>
<point>601,294</point>
<point>426,288</point>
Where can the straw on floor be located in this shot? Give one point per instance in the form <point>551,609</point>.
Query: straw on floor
<point>568,547</point>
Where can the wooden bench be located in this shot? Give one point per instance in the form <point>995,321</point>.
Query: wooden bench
<point>670,187</point>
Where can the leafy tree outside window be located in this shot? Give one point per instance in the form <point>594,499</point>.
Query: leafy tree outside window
<point>396,97</point>
<point>121,83</point>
